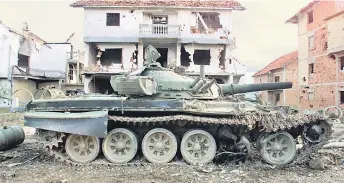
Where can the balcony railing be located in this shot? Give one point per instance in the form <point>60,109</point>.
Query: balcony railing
<point>153,30</point>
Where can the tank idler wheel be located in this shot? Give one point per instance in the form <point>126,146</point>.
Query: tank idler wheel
<point>120,145</point>
<point>277,148</point>
<point>159,146</point>
<point>82,149</point>
<point>198,147</point>
<point>315,133</point>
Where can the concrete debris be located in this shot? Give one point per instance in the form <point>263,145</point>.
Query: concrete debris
<point>8,174</point>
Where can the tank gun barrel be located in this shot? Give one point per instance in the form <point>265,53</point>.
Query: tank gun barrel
<point>235,89</point>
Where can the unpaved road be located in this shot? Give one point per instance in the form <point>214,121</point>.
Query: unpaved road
<point>45,169</point>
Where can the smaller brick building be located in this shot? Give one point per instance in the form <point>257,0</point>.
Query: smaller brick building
<point>283,69</point>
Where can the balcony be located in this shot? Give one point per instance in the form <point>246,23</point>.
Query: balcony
<point>20,71</point>
<point>159,31</point>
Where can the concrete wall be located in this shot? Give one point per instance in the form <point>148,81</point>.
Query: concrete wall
<point>9,46</point>
<point>95,22</point>
<point>336,33</point>
<point>54,58</point>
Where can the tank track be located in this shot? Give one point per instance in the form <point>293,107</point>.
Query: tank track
<point>272,122</point>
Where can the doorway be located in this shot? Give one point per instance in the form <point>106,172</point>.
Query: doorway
<point>163,58</point>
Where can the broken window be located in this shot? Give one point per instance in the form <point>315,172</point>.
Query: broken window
<point>162,19</point>
<point>184,57</point>
<point>211,20</point>
<point>311,68</point>
<point>310,17</point>
<point>112,19</point>
<point>311,42</point>
<point>111,56</point>
<point>23,60</point>
<point>277,79</point>
<point>163,56</point>
<point>201,57</point>
<point>341,62</point>
<point>341,93</point>
<point>278,97</point>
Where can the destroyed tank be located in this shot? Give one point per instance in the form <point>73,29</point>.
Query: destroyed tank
<point>161,116</point>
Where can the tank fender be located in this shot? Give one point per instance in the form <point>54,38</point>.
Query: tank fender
<point>84,123</point>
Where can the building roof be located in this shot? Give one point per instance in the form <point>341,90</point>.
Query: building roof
<point>218,4</point>
<point>278,63</point>
<point>30,35</point>
<point>294,19</point>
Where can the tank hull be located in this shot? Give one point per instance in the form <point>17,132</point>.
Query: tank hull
<point>225,120</point>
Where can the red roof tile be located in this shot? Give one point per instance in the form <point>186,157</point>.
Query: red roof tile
<point>170,3</point>
<point>293,19</point>
<point>278,63</point>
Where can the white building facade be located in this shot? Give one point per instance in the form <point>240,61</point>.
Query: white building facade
<point>186,33</point>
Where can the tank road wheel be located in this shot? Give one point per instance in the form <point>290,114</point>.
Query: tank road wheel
<point>159,146</point>
<point>82,149</point>
<point>120,145</point>
<point>277,148</point>
<point>198,147</point>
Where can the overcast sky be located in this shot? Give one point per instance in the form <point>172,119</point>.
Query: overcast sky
<point>260,31</point>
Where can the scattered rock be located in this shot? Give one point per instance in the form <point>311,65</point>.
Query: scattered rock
<point>9,174</point>
<point>317,164</point>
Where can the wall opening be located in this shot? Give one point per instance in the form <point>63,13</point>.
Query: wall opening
<point>310,17</point>
<point>160,19</point>
<point>112,19</point>
<point>277,98</point>
<point>277,79</point>
<point>341,93</point>
<point>71,72</point>
<point>111,56</point>
<point>201,57</point>
<point>223,58</point>
<point>341,63</point>
<point>311,68</point>
<point>184,57</point>
<point>23,60</point>
<point>211,19</point>
<point>103,86</point>
<point>163,56</point>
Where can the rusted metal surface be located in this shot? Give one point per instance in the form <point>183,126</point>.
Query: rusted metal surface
<point>86,123</point>
<point>11,136</point>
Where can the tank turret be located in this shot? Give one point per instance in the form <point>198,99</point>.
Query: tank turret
<point>157,82</point>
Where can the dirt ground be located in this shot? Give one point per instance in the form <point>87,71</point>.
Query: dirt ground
<point>35,167</point>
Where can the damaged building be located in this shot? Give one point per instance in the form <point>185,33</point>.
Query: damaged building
<point>186,33</point>
<point>29,64</point>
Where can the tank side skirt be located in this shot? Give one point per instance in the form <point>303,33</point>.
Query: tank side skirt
<point>116,105</point>
<point>82,126</point>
